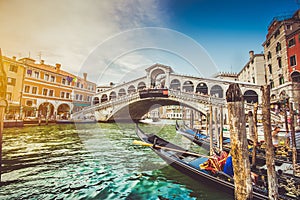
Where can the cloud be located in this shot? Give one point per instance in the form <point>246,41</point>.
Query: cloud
<point>66,31</point>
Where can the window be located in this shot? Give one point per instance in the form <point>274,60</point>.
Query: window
<point>278,47</point>
<point>271,84</point>
<point>46,77</point>
<point>269,55</point>
<point>26,89</point>
<point>88,98</point>
<point>293,60</point>
<point>63,81</point>
<point>67,95</point>
<point>288,27</point>
<point>68,82</point>
<point>11,81</point>
<point>62,94</point>
<point>34,90</point>
<point>80,98</point>
<point>276,33</point>
<point>281,80</point>
<point>45,91</point>
<point>77,84</point>
<point>77,96</point>
<point>29,73</point>
<point>51,93</point>
<point>8,96</point>
<point>52,79</point>
<point>268,43</point>
<point>29,103</point>
<point>279,63</point>
<point>270,69</point>
<point>81,85</point>
<point>36,74</point>
<point>291,42</point>
<point>13,68</point>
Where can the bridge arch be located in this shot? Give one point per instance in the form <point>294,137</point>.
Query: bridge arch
<point>188,86</point>
<point>141,85</point>
<point>121,92</point>
<point>158,78</point>
<point>96,101</point>
<point>202,88</point>
<point>250,96</point>
<point>131,89</point>
<point>104,98</point>
<point>112,95</point>
<point>217,91</point>
<point>175,84</point>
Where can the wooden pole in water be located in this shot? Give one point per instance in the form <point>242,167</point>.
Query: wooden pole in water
<point>221,128</point>
<point>217,135</point>
<point>239,146</point>
<point>293,137</point>
<point>3,104</point>
<point>210,130</point>
<point>266,118</point>
<point>255,138</point>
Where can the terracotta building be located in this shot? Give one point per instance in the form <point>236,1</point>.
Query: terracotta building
<point>50,92</point>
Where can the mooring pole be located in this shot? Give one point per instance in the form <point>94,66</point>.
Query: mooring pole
<point>221,128</point>
<point>3,105</point>
<point>239,145</point>
<point>210,130</point>
<point>217,135</point>
<point>255,137</point>
<point>293,137</point>
<point>266,118</point>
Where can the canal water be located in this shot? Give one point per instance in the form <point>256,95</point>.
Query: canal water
<point>93,161</point>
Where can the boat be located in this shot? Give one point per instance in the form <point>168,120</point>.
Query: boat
<point>204,141</point>
<point>189,163</point>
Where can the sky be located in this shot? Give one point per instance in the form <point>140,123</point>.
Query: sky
<point>115,40</point>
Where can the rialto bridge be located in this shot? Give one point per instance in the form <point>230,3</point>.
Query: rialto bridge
<point>161,86</point>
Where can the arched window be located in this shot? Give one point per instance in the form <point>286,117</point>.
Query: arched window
<point>104,98</point>
<point>95,100</point>
<point>112,95</point>
<point>175,84</point>
<point>141,86</point>
<point>188,86</point>
<point>131,89</point>
<point>202,88</point>
<point>250,96</point>
<point>121,92</point>
<point>216,91</point>
<point>295,77</point>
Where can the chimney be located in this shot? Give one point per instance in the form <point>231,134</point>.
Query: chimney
<point>251,54</point>
<point>84,76</point>
<point>57,66</point>
<point>42,62</point>
<point>14,58</point>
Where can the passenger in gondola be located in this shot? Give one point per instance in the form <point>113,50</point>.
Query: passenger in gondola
<point>228,167</point>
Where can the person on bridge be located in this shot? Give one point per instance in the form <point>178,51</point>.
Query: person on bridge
<point>275,136</point>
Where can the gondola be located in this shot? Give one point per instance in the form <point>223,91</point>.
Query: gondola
<point>189,163</point>
<point>203,141</point>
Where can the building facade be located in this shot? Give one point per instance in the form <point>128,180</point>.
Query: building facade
<point>280,56</point>
<point>15,72</point>
<point>254,70</point>
<point>52,93</point>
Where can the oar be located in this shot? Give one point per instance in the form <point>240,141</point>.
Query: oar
<point>137,142</point>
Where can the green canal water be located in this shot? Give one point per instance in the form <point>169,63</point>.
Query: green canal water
<point>93,161</point>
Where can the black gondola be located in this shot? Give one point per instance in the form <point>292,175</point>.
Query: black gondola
<point>203,141</point>
<point>188,163</point>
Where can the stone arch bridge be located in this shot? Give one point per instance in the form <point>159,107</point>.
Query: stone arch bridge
<point>159,87</point>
